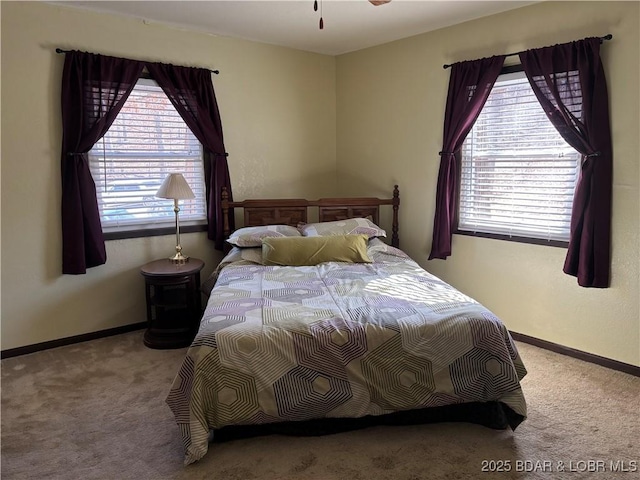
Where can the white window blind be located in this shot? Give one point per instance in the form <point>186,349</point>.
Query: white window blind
<point>518,174</point>
<point>147,141</point>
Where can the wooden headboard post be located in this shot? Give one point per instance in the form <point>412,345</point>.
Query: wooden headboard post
<point>293,211</point>
<point>395,241</point>
<point>225,212</point>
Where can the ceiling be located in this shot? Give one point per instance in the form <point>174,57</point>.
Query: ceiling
<point>348,25</point>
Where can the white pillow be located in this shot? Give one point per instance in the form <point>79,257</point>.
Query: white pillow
<point>351,226</point>
<point>252,236</point>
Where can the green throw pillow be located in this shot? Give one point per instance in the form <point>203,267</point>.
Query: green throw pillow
<point>300,251</point>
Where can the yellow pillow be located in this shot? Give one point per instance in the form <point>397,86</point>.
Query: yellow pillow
<point>299,251</point>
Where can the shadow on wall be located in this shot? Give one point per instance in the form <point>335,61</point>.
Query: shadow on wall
<point>247,186</point>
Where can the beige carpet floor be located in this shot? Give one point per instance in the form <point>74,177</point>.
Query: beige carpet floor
<point>96,410</point>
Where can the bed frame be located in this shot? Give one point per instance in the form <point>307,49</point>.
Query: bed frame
<point>295,210</point>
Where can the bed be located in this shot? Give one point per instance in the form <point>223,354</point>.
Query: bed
<point>323,346</point>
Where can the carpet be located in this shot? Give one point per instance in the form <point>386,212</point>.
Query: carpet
<point>96,410</point>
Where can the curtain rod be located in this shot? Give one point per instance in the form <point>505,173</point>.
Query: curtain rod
<point>59,50</point>
<point>602,39</point>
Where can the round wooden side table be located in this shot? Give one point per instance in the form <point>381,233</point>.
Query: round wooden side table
<point>174,302</point>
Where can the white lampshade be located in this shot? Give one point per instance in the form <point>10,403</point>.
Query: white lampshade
<point>175,187</point>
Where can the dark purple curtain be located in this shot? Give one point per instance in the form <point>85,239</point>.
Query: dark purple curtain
<point>191,92</point>
<point>469,87</point>
<point>94,88</point>
<point>570,84</point>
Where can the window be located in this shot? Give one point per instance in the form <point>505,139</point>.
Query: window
<point>147,141</point>
<point>518,174</point>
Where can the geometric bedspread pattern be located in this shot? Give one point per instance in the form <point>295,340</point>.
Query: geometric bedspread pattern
<point>338,340</point>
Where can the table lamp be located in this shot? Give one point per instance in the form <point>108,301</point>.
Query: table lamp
<point>176,187</point>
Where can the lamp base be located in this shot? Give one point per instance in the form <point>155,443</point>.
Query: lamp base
<point>178,258</point>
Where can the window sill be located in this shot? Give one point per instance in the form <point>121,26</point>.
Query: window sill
<point>153,232</point>
<point>513,238</point>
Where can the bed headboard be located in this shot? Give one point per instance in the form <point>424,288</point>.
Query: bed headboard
<point>295,210</point>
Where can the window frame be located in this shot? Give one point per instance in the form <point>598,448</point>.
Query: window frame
<point>153,232</point>
<point>137,232</point>
<point>497,236</point>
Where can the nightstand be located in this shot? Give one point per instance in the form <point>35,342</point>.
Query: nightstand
<point>174,302</point>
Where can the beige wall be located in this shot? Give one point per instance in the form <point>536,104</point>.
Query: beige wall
<point>390,110</point>
<point>278,113</point>
<point>281,109</point>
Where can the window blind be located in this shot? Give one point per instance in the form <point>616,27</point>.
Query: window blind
<point>518,174</point>
<point>147,141</point>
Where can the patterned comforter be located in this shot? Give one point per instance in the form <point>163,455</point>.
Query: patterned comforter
<point>337,340</point>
